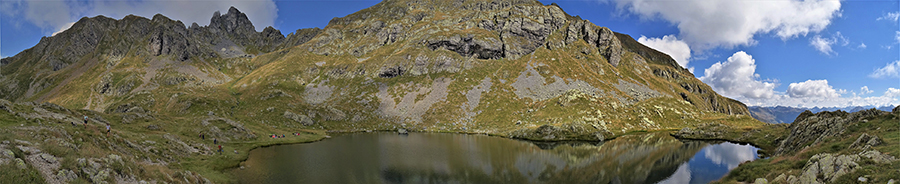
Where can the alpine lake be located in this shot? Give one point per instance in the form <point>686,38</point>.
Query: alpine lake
<point>465,158</point>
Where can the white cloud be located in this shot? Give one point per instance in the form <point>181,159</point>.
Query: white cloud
<point>892,92</point>
<point>861,46</point>
<point>821,44</point>
<point>824,44</point>
<point>891,16</point>
<point>669,44</point>
<point>53,16</point>
<point>897,36</point>
<point>737,77</point>
<point>48,15</point>
<point>64,28</point>
<point>864,90</point>
<point>786,100</point>
<point>812,89</point>
<point>705,24</point>
<point>891,70</point>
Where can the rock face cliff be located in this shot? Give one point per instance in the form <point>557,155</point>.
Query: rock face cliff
<point>508,67</point>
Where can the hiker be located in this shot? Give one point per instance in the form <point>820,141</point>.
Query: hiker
<point>202,136</point>
<point>85,121</point>
<point>107,129</point>
<point>220,148</point>
<point>215,141</point>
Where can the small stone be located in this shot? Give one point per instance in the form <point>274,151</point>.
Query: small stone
<point>102,175</point>
<point>21,163</point>
<point>761,181</point>
<point>9,153</point>
<point>780,178</point>
<point>21,142</point>
<point>892,180</point>
<point>66,175</point>
<point>792,179</point>
<point>115,158</point>
<point>29,150</point>
<point>93,164</point>
<point>81,162</point>
<point>48,158</point>
<point>862,179</point>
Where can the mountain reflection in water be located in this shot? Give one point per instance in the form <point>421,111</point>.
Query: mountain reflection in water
<point>459,158</point>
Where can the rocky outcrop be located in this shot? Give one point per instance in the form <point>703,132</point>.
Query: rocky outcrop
<point>302,119</point>
<point>606,42</point>
<point>811,128</point>
<point>301,36</point>
<point>170,37</point>
<point>865,142</point>
<point>489,48</point>
<point>828,167</point>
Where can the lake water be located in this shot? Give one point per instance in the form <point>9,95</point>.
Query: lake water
<point>460,158</point>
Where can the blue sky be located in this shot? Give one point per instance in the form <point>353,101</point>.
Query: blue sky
<point>781,52</point>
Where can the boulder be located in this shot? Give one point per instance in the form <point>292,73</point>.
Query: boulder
<point>8,153</point>
<point>20,163</point>
<point>303,119</point>
<point>48,158</point>
<point>877,156</point>
<point>101,176</point>
<point>780,178</point>
<point>66,175</point>
<point>865,141</point>
<point>827,167</point>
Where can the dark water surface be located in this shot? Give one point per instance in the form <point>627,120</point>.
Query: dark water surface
<point>460,158</point>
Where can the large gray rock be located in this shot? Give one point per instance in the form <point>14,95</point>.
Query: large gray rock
<point>865,142</point>
<point>66,175</point>
<point>878,157</point>
<point>826,168</point>
<point>302,119</point>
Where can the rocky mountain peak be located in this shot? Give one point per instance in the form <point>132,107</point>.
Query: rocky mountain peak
<point>232,22</point>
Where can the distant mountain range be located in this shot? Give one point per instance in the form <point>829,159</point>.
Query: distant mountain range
<point>782,114</point>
